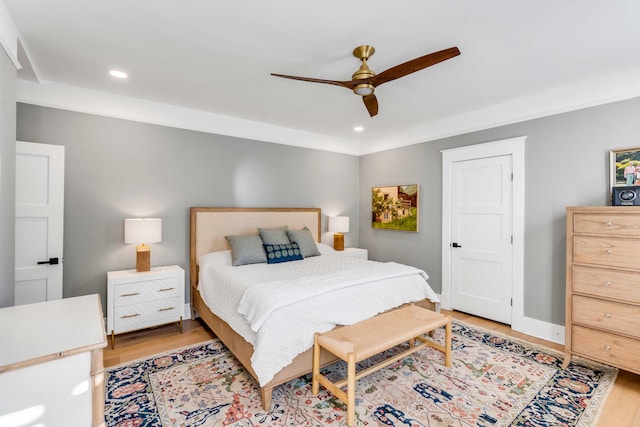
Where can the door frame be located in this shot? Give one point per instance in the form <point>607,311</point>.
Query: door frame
<point>515,148</point>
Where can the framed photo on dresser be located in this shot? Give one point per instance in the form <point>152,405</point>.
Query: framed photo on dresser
<point>624,168</point>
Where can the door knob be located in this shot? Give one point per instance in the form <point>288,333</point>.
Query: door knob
<point>52,261</point>
<point>455,245</point>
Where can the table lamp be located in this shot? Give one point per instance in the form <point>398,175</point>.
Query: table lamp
<point>338,225</point>
<point>141,232</point>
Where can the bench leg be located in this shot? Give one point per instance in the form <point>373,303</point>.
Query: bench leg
<point>266,393</point>
<point>447,344</point>
<point>315,385</point>
<point>351,390</point>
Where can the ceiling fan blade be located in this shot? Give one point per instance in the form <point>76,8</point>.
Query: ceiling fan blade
<point>371,102</point>
<point>414,65</point>
<point>347,84</point>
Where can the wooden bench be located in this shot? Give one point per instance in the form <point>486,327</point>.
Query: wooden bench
<point>358,342</point>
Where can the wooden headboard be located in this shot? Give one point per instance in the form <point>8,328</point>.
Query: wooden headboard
<point>209,226</point>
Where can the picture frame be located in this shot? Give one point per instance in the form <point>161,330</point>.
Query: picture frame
<point>395,207</point>
<point>620,175</point>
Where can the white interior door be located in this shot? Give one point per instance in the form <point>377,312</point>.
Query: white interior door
<point>39,222</point>
<point>481,237</point>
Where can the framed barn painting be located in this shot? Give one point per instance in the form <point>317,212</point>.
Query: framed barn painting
<point>395,207</point>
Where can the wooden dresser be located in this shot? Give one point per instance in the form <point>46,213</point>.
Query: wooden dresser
<point>603,285</point>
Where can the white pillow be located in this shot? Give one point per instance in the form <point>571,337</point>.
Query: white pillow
<point>325,249</point>
<point>220,258</point>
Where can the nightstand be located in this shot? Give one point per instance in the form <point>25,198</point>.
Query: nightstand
<point>138,300</point>
<point>355,252</point>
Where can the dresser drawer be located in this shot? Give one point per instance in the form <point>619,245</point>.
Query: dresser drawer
<point>149,290</point>
<point>609,224</point>
<point>607,283</point>
<point>136,316</point>
<point>610,252</point>
<point>607,315</point>
<point>609,348</point>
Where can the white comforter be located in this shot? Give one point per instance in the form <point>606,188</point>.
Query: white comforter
<point>278,307</point>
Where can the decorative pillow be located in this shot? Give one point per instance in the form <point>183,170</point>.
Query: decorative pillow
<point>220,258</point>
<point>304,239</point>
<point>274,236</point>
<point>325,249</point>
<point>282,253</point>
<point>246,249</point>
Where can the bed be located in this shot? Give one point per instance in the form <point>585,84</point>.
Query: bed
<point>208,229</point>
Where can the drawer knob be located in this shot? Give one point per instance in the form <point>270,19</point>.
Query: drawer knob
<point>607,347</point>
<point>607,316</point>
<point>608,224</point>
<point>607,283</point>
<point>126,316</point>
<point>608,252</point>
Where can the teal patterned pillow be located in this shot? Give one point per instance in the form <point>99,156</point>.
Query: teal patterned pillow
<point>282,253</point>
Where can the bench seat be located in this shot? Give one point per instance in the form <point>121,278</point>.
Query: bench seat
<point>355,343</point>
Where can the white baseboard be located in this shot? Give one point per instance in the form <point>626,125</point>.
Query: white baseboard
<point>527,325</point>
<point>187,312</point>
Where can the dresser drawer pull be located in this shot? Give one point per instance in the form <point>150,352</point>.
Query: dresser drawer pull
<point>165,289</point>
<point>166,309</point>
<point>608,252</point>
<point>607,347</point>
<point>608,224</point>
<point>133,294</point>
<point>607,283</point>
<point>126,316</point>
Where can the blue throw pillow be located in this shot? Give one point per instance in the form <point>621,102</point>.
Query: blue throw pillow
<point>283,253</point>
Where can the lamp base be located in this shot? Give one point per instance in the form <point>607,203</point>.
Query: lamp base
<point>143,258</point>
<point>338,242</point>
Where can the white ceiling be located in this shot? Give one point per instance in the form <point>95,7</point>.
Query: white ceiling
<point>211,61</point>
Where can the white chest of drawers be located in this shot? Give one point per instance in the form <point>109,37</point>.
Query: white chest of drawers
<point>603,285</point>
<point>138,300</point>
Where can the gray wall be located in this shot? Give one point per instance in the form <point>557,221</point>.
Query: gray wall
<point>7,178</point>
<point>116,169</point>
<point>566,159</point>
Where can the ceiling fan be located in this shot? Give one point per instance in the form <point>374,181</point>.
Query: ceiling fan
<point>364,81</point>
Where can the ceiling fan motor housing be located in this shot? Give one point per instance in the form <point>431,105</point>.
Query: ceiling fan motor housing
<point>364,72</point>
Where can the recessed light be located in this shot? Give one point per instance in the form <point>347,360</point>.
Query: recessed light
<point>358,128</point>
<point>118,74</point>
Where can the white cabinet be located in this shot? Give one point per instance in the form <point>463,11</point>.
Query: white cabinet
<point>138,300</point>
<point>355,252</point>
<point>51,369</point>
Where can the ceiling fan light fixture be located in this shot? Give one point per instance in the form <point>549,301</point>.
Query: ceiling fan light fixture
<point>363,89</point>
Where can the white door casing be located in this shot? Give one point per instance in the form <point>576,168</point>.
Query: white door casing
<point>453,257</point>
<point>481,237</point>
<point>39,222</point>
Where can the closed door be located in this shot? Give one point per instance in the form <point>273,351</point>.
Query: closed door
<point>39,222</point>
<point>481,237</point>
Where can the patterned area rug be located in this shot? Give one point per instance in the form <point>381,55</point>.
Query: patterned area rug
<point>494,381</point>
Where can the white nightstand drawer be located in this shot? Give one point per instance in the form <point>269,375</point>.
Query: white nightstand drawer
<point>136,316</point>
<point>150,290</point>
<point>138,300</point>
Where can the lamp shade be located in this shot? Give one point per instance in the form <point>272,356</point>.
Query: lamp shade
<point>339,224</point>
<point>142,230</point>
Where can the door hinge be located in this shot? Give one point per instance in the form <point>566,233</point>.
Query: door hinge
<point>511,176</point>
<point>511,302</point>
<point>512,239</point>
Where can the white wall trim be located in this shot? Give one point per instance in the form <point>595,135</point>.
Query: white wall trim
<point>187,312</point>
<point>515,148</point>
<point>8,36</point>
<point>75,98</point>
<point>534,327</point>
<point>575,96</point>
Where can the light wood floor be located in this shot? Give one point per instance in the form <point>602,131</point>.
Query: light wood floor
<point>622,408</point>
